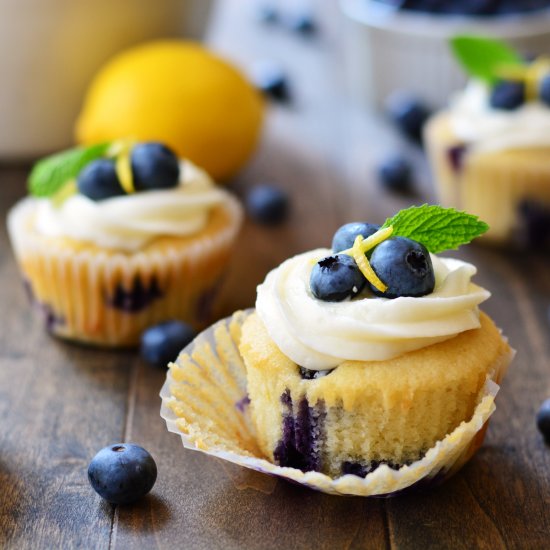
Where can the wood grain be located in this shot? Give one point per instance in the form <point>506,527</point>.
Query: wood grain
<point>60,403</point>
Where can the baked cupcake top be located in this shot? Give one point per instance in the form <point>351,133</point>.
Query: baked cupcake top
<point>123,197</point>
<point>506,104</point>
<point>384,296</point>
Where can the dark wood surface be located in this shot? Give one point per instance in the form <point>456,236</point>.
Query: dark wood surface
<point>60,403</point>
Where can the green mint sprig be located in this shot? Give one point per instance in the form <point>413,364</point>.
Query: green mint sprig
<point>437,228</point>
<point>483,57</point>
<point>51,173</point>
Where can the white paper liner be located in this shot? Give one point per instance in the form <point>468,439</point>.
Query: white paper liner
<point>211,374</point>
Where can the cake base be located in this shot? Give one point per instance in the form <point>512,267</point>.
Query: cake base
<point>205,402</point>
<point>491,185</point>
<point>107,297</point>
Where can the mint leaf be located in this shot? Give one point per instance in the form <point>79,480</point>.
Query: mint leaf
<point>483,57</point>
<point>50,173</point>
<point>437,228</point>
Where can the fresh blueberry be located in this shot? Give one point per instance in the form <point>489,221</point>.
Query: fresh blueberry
<point>345,236</point>
<point>408,113</point>
<point>271,80</point>
<point>544,90</point>
<point>543,420</point>
<point>507,95</point>
<point>395,174</point>
<point>122,473</point>
<point>154,166</point>
<point>404,266</point>
<point>302,23</point>
<point>162,343</point>
<point>336,278</point>
<point>267,204</point>
<point>535,224</point>
<point>469,7</point>
<point>98,180</point>
<point>267,13</point>
<point>474,7</point>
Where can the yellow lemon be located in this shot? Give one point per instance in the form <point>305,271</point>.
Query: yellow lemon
<point>181,94</point>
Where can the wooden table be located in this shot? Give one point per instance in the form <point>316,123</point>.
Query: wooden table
<point>61,403</point>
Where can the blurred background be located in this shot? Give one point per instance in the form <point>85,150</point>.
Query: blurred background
<point>348,88</point>
<point>314,113</point>
<point>51,51</point>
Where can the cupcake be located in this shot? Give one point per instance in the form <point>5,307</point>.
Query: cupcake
<point>117,237</point>
<point>488,150</point>
<point>373,353</point>
<point>402,44</point>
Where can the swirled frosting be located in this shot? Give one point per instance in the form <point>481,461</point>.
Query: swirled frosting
<point>484,128</point>
<point>320,335</point>
<point>128,222</point>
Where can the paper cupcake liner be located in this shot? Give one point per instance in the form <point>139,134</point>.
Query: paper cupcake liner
<point>205,402</point>
<point>390,50</point>
<point>107,298</point>
<point>491,185</point>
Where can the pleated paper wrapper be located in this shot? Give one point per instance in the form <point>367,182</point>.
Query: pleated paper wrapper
<point>205,402</point>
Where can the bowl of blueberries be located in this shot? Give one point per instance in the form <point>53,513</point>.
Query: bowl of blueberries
<point>403,44</point>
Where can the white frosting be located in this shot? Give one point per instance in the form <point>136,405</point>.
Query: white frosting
<point>475,122</point>
<point>128,222</point>
<point>320,335</point>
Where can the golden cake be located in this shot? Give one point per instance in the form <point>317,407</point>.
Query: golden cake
<point>362,414</point>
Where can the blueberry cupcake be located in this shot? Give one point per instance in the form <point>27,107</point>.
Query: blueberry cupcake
<point>374,352</point>
<point>489,149</point>
<point>120,236</point>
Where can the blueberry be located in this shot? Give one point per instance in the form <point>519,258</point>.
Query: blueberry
<point>122,473</point>
<point>98,180</point>
<point>456,156</point>
<point>474,7</point>
<point>433,6</point>
<point>154,166</point>
<point>336,278</point>
<point>468,7</point>
<point>162,343</point>
<point>395,174</point>
<point>267,13</point>
<point>507,95</point>
<point>535,223</point>
<point>544,90</point>
<point>345,235</point>
<point>404,266</point>
<point>307,374</point>
<point>543,420</point>
<point>302,23</point>
<point>267,204</point>
<point>271,80</point>
<point>408,113</point>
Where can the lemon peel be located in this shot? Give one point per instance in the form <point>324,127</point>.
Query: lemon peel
<point>358,252</point>
<point>372,241</point>
<point>122,151</point>
<point>68,190</point>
